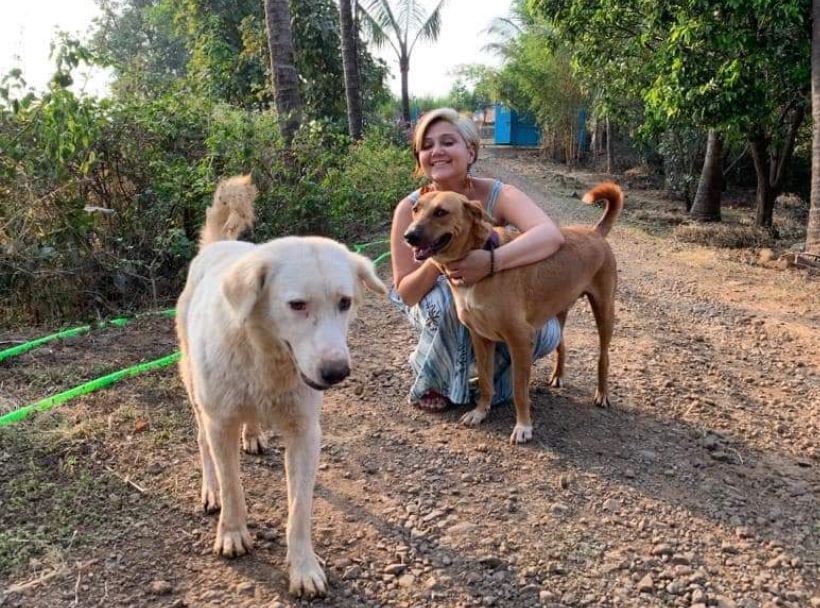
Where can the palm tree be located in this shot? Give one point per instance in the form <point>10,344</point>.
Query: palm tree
<point>350,62</point>
<point>813,229</point>
<point>401,27</point>
<point>283,67</point>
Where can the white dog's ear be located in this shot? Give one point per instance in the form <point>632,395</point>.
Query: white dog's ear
<point>366,272</point>
<point>244,283</point>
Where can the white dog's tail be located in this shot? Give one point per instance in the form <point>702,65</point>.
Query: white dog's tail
<point>231,212</point>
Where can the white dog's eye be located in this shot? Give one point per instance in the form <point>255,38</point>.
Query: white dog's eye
<point>344,303</point>
<point>439,212</point>
<point>298,305</point>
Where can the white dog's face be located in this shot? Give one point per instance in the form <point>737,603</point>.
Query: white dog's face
<point>305,291</point>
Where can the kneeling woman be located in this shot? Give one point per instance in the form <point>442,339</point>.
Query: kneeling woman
<point>445,146</point>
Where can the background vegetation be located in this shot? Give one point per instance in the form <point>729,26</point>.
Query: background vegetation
<point>101,199</point>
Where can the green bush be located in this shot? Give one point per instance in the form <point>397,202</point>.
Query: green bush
<point>101,202</point>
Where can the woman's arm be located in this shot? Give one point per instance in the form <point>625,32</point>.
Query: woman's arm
<point>539,239</point>
<point>412,281</point>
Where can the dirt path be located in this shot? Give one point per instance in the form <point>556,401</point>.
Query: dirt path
<point>699,487</point>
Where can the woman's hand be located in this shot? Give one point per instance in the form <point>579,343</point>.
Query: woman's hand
<point>471,268</point>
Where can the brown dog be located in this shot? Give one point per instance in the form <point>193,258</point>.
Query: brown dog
<point>512,305</point>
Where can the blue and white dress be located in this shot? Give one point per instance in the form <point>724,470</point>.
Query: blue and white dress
<point>443,358</point>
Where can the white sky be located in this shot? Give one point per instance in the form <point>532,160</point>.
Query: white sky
<point>460,42</point>
<point>27,27</point>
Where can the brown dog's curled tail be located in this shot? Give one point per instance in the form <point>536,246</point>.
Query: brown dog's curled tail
<point>231,212</point>
<point>614,196</point>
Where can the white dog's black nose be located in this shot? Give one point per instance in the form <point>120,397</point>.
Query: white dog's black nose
<point>334,372</point>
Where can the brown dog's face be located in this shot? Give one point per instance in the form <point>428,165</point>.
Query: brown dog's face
<point>442,225</point>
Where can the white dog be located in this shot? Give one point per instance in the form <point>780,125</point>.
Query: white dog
<point>262,330</point>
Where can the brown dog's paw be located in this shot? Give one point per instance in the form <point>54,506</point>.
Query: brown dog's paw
<point>474,417</point>
<point>601,399</point>
<point>522,433</point>
<point>555,381</point>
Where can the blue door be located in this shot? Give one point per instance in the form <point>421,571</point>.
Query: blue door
<point>503,125</point>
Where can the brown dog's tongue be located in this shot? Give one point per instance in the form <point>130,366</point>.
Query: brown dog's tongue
<point>422,253</point>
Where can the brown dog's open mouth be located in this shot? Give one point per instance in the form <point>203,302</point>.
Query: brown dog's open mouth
<point>421,253</point>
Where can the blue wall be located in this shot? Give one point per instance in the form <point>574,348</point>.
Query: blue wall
<point>515,129</point>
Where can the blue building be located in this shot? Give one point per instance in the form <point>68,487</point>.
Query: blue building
<point>514,129</point>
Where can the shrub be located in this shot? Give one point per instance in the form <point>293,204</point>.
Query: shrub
<point>101,202</point>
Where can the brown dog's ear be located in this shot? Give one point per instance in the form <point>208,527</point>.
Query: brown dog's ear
<point>366,273</point>
<point>476,211</point>
<point>244,283</point>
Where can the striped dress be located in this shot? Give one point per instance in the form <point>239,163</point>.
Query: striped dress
<point>443,358</point>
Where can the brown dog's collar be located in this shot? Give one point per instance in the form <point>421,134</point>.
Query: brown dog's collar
<point>493,241</point>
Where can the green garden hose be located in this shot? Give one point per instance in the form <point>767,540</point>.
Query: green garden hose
<point>98,383</point>
<point>88,387</point>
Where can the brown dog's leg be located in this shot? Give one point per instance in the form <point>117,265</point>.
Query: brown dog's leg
<point>560,353</point>
<point>521,347</point>
<point>603,307</point>
<point>484,351</point>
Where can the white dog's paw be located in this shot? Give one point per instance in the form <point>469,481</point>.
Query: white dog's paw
<point>522,433</point>
<point>307,578</point>
<point>474,417</point>
<point>209,499</point>
<point>232,543</point>
<point>252,441</point>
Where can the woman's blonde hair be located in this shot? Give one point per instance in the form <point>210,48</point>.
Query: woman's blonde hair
<point>462,124</point>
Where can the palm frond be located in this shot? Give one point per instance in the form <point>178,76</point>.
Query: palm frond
<point>382,14</point>
<point>431,27</point>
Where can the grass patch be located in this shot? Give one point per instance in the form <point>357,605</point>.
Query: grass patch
<point>727,236</point>
<point>53,496</point>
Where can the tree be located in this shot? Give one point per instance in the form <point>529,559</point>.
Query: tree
<point>706,206</point>
<point>740,68</point>
<point>813,228</point>
<point>283,67</point>
<point>351,68</point>
<point>401,27</point>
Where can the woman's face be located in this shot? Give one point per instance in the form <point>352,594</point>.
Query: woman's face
<point>444,155</point>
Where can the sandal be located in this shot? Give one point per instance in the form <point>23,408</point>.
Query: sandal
<point>432,401</point>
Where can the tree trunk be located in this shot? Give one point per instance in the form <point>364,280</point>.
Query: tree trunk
<point>609,159</point>
<point>351,69</point>
<point>764,199</point>
<point>706,206</point>
<point>771,170</point>
<point>283,68</point>
<point>404,66</point>
<point>813,227</point>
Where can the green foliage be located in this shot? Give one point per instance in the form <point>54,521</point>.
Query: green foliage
<point>101,201</point>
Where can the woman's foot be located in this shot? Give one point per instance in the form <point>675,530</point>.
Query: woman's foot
<point>432,401</point>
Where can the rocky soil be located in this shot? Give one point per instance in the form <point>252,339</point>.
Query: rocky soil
<point>699,487</point>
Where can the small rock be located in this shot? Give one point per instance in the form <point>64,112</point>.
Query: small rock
<point>464,526</point>
<point>646,584</point>
<point>246,588</point>
<point>352,573</point>
<point>559,509</point>
<point>161,588</point>
<point>395,569</point>
<point>490,561</point>
<point>611,505</point>
<point>407,580</point>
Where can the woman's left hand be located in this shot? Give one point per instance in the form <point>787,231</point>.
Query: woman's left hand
<point>471,268</point>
